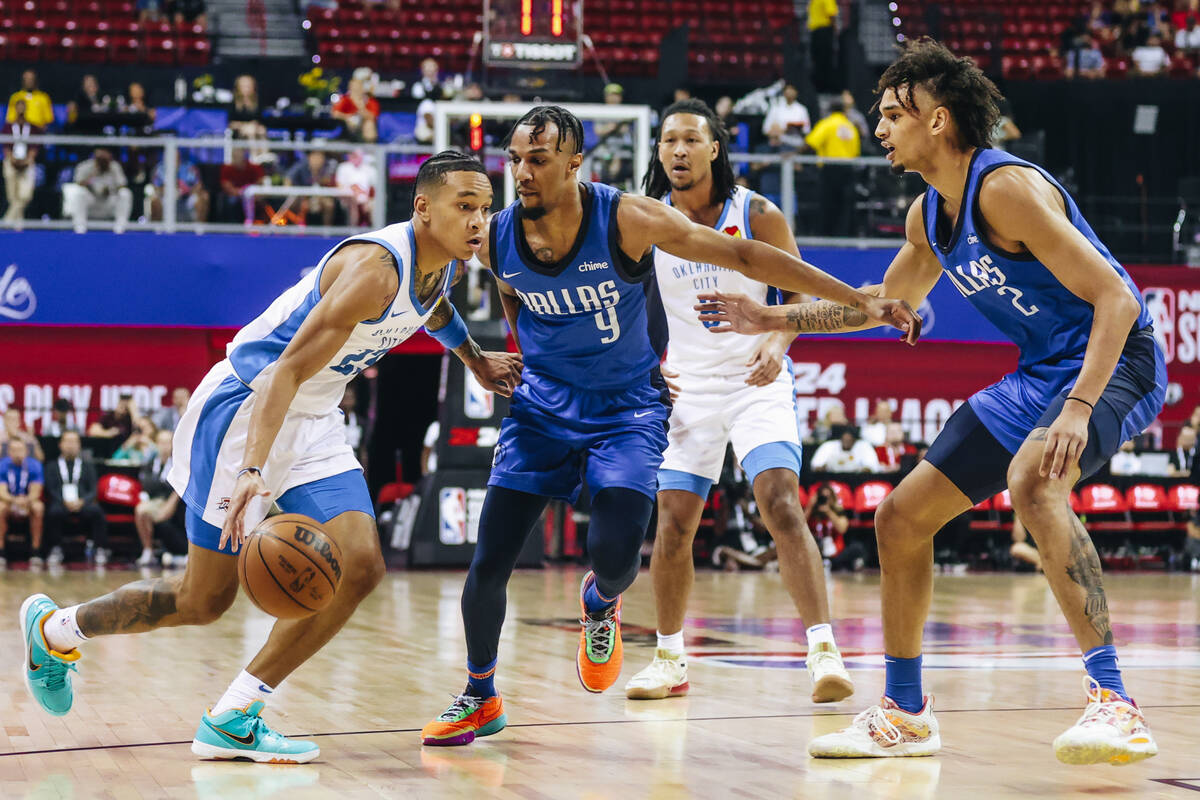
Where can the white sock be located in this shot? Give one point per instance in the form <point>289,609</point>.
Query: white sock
<point>62,631</point>
<point>244,690</point>
<point>672,643</point>
<point>820,634</point>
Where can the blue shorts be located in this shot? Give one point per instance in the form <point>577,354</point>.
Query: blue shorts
<point>321,500</point>
<point>982,436</point>
<point>556,434</point>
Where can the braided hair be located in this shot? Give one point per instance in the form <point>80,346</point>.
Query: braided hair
<point>656,184</point>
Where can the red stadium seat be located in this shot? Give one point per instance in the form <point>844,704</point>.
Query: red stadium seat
<point>1105,507</point>
<point>1184,497</point>
<point>844,495</point>
<point>1149,508</point>
<point>869,495</point>
<point>161,50</point>
<point>196,52</point>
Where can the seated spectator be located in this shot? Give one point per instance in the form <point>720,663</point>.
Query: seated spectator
<point>21,484</point>
<point>135,103</point>
<point>1184,12</point>
<point>359,111</point>
<point>62,419</point>
<point>245,118</point>
<point>149,10</point>
<point>724,110</point>
<point>20,172</point>
<point>829,522</point>
<point>99,190</point>
<point>1150,58</point>
<point>357,173</point>
<point>788,120</point>
<point>1125,461</point>
<point>875,431</point>
<point>1183,457</point>
<point>139,447</point>
<point>354,426</point>
<point>71,498</point>
<point>14,429</point>
<point>187,11</point>
<point>847,454</point>
<point>159,503</point>
<point>1187,40</point>
<point>192,202</point>
<point>118,423</point>
<point>895,454</point>
<point>38,110</point>
<point>423,132</point>
<point>235,177</point>
<point>1021,549</point>
<point>86,105</point>
<point>831,424</point>
<point>315,169</point>
<point>167,419</point>
<point>430,85</point>
<point>1086,62</point>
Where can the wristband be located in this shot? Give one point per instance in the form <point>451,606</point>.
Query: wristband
<point>1081,400</point>
<point>245,470</point>
<point>453,334</point>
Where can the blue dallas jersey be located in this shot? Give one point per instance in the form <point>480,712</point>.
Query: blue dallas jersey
<point>1020,296</point>
<point>593,319</point>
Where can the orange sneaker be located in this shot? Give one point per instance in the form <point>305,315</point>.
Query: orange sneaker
<point>600,652</point>
<point>467,717</point>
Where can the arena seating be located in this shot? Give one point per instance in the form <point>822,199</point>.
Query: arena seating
<point>734,40</point>
<point>96,31</point>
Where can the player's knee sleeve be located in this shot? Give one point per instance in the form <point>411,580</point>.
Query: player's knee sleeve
<point>615,536</point>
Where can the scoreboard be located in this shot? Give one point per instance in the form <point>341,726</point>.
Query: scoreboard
<point>533,33</point>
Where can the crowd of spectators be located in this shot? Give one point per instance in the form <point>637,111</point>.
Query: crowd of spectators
<point>1147,34</point>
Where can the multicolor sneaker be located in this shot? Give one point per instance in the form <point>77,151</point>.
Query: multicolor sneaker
<point>830,680</point>
<point>1111,730</point>
<point>47,672</point>
<point>242,733</point>
<point>600,654</point>
<point>665,677</point>
<point>467,717</point>
<point>883,731</point>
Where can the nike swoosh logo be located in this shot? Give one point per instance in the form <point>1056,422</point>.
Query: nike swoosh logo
<point>507,275</point>
<point>399,313</point>
<point>247,740</point>
<point>263,688</point>
<point>640,414</point>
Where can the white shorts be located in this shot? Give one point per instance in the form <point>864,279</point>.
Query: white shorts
<point>210,443</point>
<point>713,412</point>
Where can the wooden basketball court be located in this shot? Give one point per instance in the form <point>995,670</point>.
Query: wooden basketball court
<point>999,659</point>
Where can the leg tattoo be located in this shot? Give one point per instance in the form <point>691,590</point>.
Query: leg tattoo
<point>133,608</point>
<point>1083,568</point>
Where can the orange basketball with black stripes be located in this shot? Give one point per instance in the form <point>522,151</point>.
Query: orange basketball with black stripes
<point>289,567</point>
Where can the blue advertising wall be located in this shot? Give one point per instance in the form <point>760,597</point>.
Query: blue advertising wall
<point>223,281</point>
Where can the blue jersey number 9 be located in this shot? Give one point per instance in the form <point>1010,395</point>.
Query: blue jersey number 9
<point>607,322</point>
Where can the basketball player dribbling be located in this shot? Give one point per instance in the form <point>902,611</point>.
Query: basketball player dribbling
<point>264,425</point>
<point>735,390</point>
<point>573,263</point>
<point>1090,375</point>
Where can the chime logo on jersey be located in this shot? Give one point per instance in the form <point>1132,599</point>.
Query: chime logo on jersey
<point>572,300</point>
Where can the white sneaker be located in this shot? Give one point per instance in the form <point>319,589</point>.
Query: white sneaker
<point>1111,730</point>
<point>146,558</point>
<point>101,557</point>
<point>883,731</point>
<point>665,677</point>
<point>830,680</point>
<point>36,563</point>
<point>55,559</point>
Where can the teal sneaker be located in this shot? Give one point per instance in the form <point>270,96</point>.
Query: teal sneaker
<point>47,672</point>
<point>241,733</point>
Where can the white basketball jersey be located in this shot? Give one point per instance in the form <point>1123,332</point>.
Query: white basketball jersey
<point>693,350</point>
<point>257,347</point>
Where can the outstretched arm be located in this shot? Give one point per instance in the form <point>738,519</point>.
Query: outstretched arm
<point>497,372</point>
<point>359,282</point>
<point>644,223</point>
<point>910,277</point>
<point>768,224</point>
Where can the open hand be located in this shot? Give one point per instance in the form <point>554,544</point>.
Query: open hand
<point>731,313</point>
<point>248,486</point>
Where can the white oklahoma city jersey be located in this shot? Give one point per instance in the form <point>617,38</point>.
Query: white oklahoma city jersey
<point>210,439</point>
<point>715,405</point>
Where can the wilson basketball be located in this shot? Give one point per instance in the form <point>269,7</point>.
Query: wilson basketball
<point>289,567</point>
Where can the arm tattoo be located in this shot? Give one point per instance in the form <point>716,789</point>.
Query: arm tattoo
<point>823,316</point>
<point>1083,568</point>
<point>134,608</point>
<point>441,315</point>
<point>759,205</point>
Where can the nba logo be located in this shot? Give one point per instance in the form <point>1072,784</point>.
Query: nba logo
<point>478,402</point>
<point>453,508</point>
<point>1161,305</point>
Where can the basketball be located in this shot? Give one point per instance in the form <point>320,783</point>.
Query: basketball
<point>289,567</point>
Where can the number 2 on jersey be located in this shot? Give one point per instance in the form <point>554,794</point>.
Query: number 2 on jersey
<point>606,321</point>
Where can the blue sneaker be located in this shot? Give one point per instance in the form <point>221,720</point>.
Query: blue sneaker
<point>241,733</point>
<point>47,672</point>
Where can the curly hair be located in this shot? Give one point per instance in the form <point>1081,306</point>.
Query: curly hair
<point>570,129</point>
<point>957,83</point>
<point>655,182</point>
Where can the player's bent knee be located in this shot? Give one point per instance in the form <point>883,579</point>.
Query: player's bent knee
<point>362,572</point>
<point>782,511</point>
<point>204,605</point>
